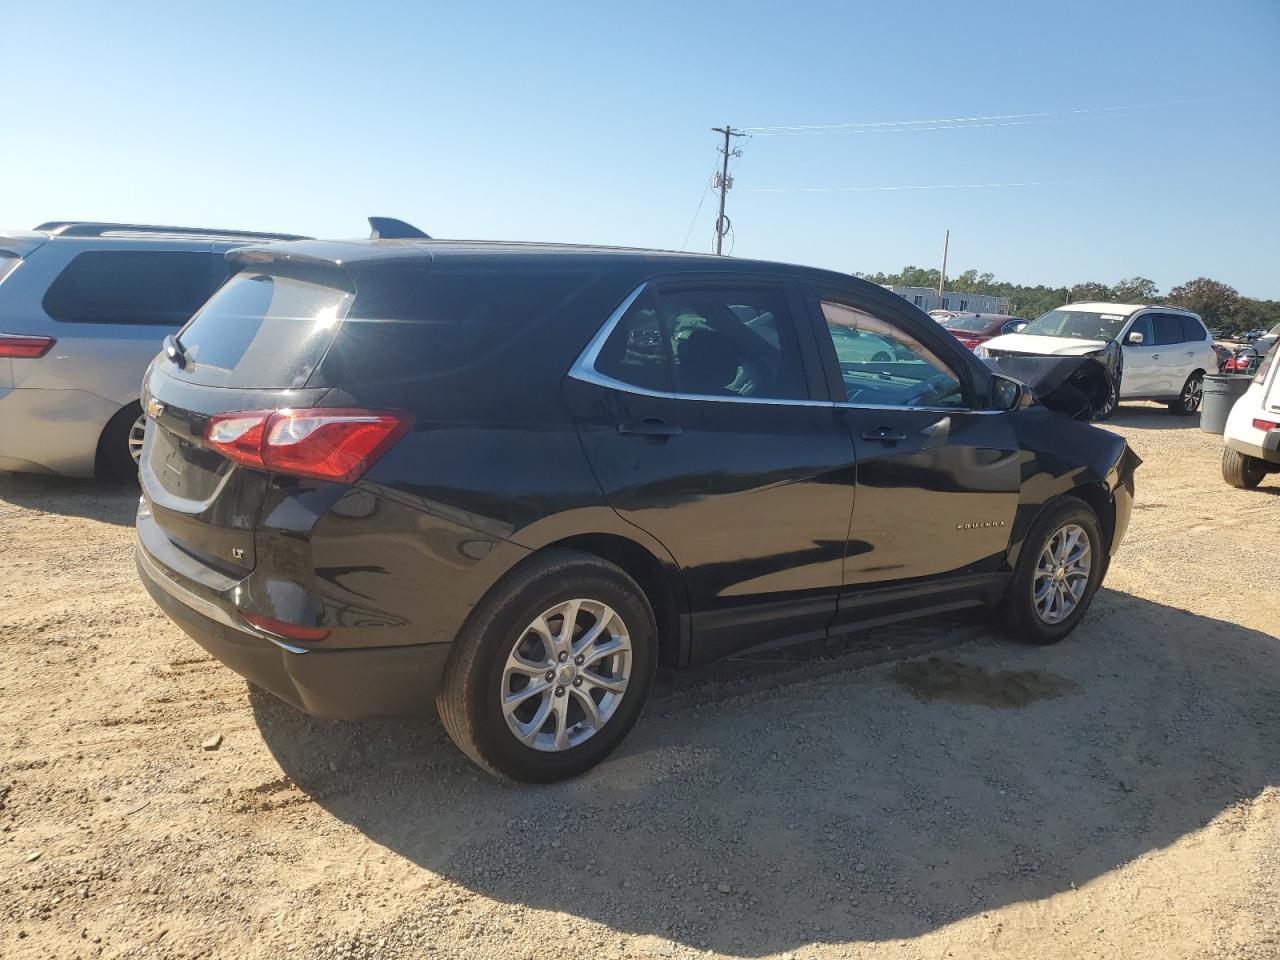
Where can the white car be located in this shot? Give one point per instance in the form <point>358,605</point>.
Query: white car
<point>1164,352</point>
<point>1252,437</point>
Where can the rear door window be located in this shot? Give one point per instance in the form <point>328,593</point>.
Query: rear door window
<point>636,351</point>
<point>732,340</point>
<point>262,331</point>
<point>1168,329</point>
<point>150,287</point>
<point>1192,330</point>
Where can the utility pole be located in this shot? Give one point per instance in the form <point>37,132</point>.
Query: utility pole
<point>942,277</point>
<point>723,181</point>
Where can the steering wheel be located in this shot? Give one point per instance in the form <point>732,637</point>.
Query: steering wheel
<point>929,389</point>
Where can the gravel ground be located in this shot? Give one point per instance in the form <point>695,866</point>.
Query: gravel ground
<point>923,791</point>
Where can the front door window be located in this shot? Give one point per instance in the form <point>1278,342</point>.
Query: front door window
<point>883,365</point>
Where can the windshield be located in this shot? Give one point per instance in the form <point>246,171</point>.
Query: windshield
<point>1077,324</point>
<point>968,324</point>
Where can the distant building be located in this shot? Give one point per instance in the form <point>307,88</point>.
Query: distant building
<point>926,298</point>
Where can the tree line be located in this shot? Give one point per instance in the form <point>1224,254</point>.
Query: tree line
<point>1220,305</point>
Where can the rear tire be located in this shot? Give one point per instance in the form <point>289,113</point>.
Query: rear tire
<point>1241,470</point>
<point>116,447</point>
<point>480,683</point>
<point>1188,401</point>
<point>1027,610</point>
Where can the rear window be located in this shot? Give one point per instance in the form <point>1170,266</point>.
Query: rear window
<point>967,324</point>
<point>409,323</point>
<point>262,331</point>
<point>152,287</point>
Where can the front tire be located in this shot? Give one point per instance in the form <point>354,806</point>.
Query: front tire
<point>1241,470</point>
<point>1188,401</point>
<point>552,669</point>
<point>1109,406</point>
<point>1059,570</point>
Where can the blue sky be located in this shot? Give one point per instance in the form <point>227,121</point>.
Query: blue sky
<point>590,123</point>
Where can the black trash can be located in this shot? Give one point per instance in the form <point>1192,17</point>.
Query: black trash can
<point>1221,391</point>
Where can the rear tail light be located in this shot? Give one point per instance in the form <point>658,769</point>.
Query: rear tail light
<point>19,347</point>
<point>289,631</point>
<point>1265,425</point>
<point>327,444</point>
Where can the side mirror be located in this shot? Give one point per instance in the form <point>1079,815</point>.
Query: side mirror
<point>1015,327</point>
<point>1134,338</point>
<point>1007,394</point>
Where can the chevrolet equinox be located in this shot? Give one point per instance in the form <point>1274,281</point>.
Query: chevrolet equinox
<point>513,480</point>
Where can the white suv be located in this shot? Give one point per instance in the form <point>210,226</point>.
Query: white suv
<point>1252,437</point>
<point>1164,352</point>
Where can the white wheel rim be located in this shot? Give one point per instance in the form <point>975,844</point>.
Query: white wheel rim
<point>565,675</point>
<point>1062,574</point>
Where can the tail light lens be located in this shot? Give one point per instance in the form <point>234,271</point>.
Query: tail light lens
<point>1265,425</point>
<point>19,347</point>
<point>289,631</point>
<point>325,443</point>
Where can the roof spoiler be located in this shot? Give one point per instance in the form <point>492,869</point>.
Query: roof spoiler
<point>389,228</point>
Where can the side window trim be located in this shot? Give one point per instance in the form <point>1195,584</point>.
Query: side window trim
<point>584,368</point>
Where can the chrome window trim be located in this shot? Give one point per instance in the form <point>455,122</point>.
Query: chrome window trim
<point>584,370</point>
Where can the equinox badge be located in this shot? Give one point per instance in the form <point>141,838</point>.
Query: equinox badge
<point>979,524</point>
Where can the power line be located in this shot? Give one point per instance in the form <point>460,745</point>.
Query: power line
<point>927,186</point>
<point>952,123</point>
<point>701,200</point>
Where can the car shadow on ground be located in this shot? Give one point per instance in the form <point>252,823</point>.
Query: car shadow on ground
<point>1151,416</point>
<point>108,501</point>
<point>837,803</point>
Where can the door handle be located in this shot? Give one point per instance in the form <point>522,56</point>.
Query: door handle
<point>1155,356</point>
<point>883,434</point>
<point>651,427</point>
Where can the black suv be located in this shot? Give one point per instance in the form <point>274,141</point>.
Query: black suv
<point>516,479</point>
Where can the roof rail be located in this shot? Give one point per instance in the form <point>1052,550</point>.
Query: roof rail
<point>88,228</point>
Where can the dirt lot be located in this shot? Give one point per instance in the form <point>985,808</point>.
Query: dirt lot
<point>927,791</point>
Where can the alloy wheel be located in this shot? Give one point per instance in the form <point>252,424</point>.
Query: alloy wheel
<point>565,675</point>
<point>1062,574</point>
<point>1192,394</point>
<point>1109,406</point>
<point>137,433</point>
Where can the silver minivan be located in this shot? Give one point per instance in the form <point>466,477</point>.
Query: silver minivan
<point>83,309</point>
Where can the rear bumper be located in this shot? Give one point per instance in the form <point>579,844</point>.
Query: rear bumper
<point>340,684</point>
<point>1243,437</point>
<point>51,431</point>
<point>1267,449</point>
